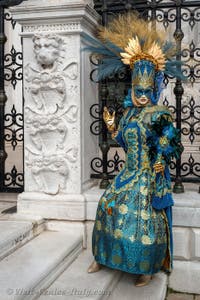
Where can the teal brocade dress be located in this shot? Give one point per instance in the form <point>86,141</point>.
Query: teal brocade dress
<point>133,226</point>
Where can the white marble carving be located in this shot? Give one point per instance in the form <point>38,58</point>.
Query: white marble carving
<point>47,77</point>
<point>49,113</point>
<point>48,132</point>
<point>51,172</point>
<point>48,49</point>
<point>57,156</point>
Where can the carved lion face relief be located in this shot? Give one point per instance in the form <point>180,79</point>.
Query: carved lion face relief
<point>47,49</point>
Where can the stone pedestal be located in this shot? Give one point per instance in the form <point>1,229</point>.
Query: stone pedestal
<point>58,93</point>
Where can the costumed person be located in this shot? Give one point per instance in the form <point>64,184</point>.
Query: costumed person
<point>133,226</point>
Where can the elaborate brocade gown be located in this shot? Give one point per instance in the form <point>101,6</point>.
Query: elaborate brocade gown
<point>133,226</point>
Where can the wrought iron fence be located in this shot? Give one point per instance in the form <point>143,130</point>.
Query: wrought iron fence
<point>11,123</point>
<point>180,16</point>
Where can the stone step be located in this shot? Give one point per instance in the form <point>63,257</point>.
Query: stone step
<point>37,264</point>
<point>185,277</point>
<point>15,233</point>
<point>155,290</point>
<point>8,197</point>
<point>5,206</point>
<point>75,283</point>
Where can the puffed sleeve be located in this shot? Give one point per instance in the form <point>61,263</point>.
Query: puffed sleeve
<point>165,144</point>
<point>166,138</point>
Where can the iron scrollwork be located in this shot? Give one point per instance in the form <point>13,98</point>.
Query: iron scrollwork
<point>14,179</point>
<point>165,17</point>
<point>192,16</point>
<point>8,17</point>
<point>11,124</point>
<point>191,167</point>
<point>13,127</point>
<point>191,120</point>
<point>115,164</point>
<point>8,3</point>
<point>95,113</point>
<point>13,66</point>
<point>191,60</point>
<point>186,115</point>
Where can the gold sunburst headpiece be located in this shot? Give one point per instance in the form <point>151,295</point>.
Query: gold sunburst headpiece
<point>133,52</point>
<point>128,39</point>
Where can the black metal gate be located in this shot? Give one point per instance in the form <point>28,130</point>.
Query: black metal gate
<point>11,121</point>
<point>180,15</point>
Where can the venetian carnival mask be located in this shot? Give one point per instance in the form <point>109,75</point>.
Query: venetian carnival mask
<point>143,83</point>
<point>128,44</point>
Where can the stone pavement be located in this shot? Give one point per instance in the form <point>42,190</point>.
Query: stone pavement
<point>180,296</point>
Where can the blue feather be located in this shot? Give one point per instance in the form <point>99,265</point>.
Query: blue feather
<point>114,47</point>
<point>167,46</point>
<point>91,40</point>
<point>112,67</point>
<point>110,60</point>
<point>106,48</point>
<point>173,68</point>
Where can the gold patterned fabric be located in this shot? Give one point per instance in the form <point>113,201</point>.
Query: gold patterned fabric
<point>129,234</point>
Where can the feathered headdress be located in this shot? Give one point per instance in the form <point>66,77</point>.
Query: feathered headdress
<point>128,39</point>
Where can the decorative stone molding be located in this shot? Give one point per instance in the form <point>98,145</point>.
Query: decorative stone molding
<point>47,78</point>
<point>51,171</point>
<point>48,113</point>
<point>71,15</point>
<point>69,27</point>
<point>47,133</point>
